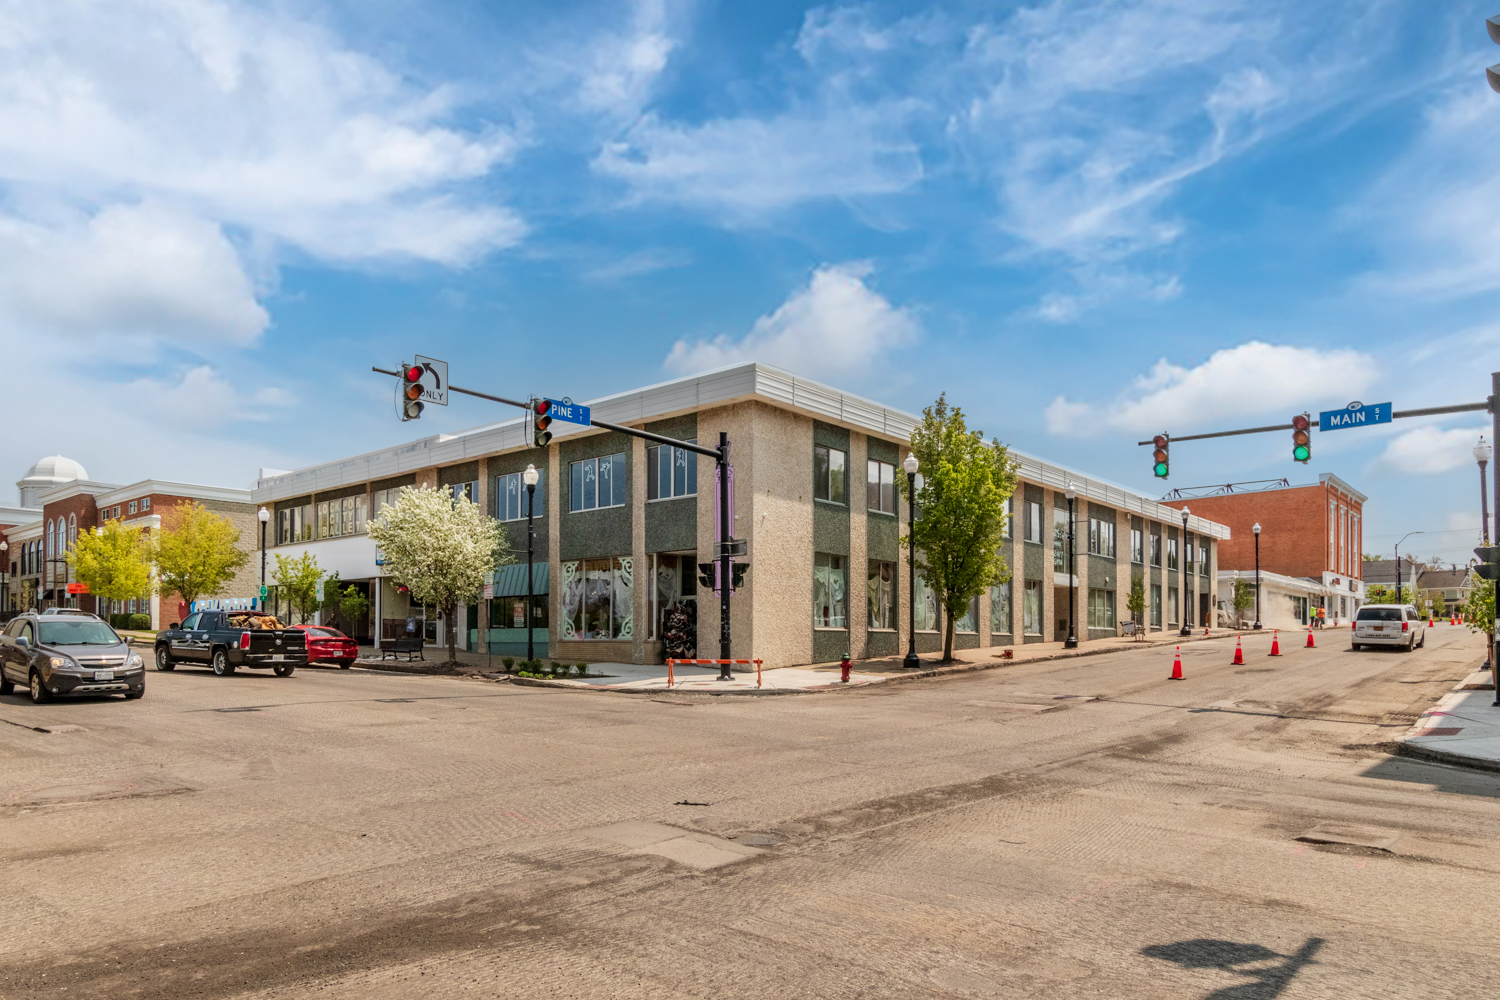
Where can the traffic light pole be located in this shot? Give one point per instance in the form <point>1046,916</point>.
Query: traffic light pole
<point>1494,407</point>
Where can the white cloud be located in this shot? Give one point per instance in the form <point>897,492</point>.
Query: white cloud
<point>1432,450</point>
<point>836,327</point>
<point>1250,380</point>
<point>143,270</point>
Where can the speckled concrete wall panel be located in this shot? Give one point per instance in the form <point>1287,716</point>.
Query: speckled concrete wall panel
<point>829,644</point>
<point>885,451</point>
<point>640,575</point>
<point>464,472</point>
<point>833,437</point>
<point>966,640</point>
<point>777,516</point>
<point>883,537</point>
<point>500,465</point>
<point>882,644</point>
<point>830,528</point>
<point>1049,572</point>
<point>739,421</point>
<point>683,428</point>
<point>857,538</point>
<point>426,478</point>
<point>592,534</point>
<point>672,525</point>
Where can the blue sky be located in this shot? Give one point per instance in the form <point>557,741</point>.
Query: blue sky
<point>1086,222</point>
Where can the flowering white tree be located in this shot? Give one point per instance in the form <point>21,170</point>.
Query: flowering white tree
<point>440,548</point>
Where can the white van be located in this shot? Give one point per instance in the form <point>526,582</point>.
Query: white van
<point>1388,625</point>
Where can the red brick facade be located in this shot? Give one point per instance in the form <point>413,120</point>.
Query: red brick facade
<point>1306,531</point>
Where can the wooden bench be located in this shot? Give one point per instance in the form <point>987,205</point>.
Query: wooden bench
<point>392,648</point>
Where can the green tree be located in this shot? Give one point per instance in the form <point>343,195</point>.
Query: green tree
<point>114,561</point>
<point>1242,599</point>
<point>344,601</point>
<point>440,548</point>
<point>297,580</point>
<point>1479,609</point>
<point>1135,601</point>
<point>961,510</point>
<point>196,552</point>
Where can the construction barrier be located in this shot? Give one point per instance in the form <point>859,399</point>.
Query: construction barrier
<point>711,663</point>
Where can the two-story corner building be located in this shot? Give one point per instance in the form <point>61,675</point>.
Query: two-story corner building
<point>1309,551</point>
<point>621,524</point>
<point>65,502</point>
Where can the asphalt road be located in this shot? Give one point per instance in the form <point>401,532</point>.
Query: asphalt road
<point>1080,828</point>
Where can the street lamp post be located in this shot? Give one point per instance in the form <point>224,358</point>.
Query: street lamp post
<point>910,465</point>
<point>1187,628</point>
<point>1256,529</point>
<point>1398,569</point>
<point>1482,456</point>
<point>529,477</point>
<point>1071,642</point>
<point>4,577</point>
<point>264,516</point>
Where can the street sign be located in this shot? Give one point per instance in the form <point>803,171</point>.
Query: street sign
<point>264,591</point>
<point>1354,415</point>
<point>78,588</point>
<point>569,411</point>
<point>320,590</point>
<point>434,380</point>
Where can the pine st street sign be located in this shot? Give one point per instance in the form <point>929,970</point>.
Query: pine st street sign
<point>1354,415</point>
<point>568,411</point>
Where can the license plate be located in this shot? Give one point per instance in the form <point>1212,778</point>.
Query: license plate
<point>104,675</point>
<point>278,656</point>
<point>1377,628</point>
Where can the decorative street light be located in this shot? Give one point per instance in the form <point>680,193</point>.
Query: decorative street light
<point>264,516</point>
<point>910,465</point>
<point>1071,642</point>
<point>529,477</point>
<point>4,577</point>
<point>1256,529</point>
<point>1482,456</point>
<point>1187,602</point>
<point>1398,599</point>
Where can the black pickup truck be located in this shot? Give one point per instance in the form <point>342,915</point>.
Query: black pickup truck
<point>225,640</point>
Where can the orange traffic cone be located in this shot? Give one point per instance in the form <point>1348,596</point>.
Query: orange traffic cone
<point>1453,619</point>
<point>1239,653</point>
<point>1205,631</point>
<point>1276,643</point>
<point>1176,666</point>
<point>1310,643</point>
<point>1429,621</point>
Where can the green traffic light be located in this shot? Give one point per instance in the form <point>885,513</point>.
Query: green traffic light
<point>1161,470</point>
<point>1300,453</point>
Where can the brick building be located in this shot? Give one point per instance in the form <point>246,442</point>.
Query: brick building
<point>1312,532</point>
<point>63,502</point>
<point>621,525</point>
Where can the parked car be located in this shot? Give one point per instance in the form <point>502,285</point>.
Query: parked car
<point>1387,625</point>
<point>66,653</point>
<point>324,642</point>
<point>227,640</point>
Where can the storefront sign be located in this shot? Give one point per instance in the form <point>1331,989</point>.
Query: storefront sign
<point>78,588</point>
<point>225,604</point>
<point>520,614</point>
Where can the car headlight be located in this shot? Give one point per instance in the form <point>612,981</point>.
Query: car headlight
<point>133,660</point>
<point>63,663</point>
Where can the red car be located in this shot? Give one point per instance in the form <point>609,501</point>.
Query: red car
<point>327,643</point>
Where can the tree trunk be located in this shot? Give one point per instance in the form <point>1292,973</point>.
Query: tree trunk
<point>450,619</point>
<point>948,638</point>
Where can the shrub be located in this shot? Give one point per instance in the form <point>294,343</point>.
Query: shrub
<point>509,661</point>
<point>583,670</point>
<point>140,622</point>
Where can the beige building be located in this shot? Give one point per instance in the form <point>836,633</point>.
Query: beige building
<point>621,525</point>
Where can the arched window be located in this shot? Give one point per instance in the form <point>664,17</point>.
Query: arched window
<point>51,543</point>
<point>72,530</point>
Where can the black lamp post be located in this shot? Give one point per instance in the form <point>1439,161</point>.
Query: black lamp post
<point>910,465</point>
<point>1187,628</point>
<point>264,516</point>
<point>4,577</point>
<point>1071,642</point>
<point>1256,529</point>
<point>529,477</point>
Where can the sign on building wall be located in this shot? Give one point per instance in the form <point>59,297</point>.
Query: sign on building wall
<point>225,604</point>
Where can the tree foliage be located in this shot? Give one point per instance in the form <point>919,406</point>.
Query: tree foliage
<point>961,510</point>
<point>441,549</point>
<point>1479,609</point>
<point>115,563</point>
<point>1135,602</point>
<point>1242,598</point>
<point>196,552</point>
<point>297,580</point>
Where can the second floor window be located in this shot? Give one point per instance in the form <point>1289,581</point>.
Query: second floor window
<point>464,491</point>
<point>1034,522</point>
<point>1156,548</point>
<point>829,475</point>
<point>598,482</point>
<point>146,503</point>
<point>1171,553</point>
<point>1137,545</point>
<point>294,524</point>
<point>880,486</point>
<point>1101,537</point>
<point>133,506</point>
<point>511,496</point>
<point>671,472</point>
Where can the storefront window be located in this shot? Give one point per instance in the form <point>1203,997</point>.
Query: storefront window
<point>1156,605</point>
<point>927,607</point>
<point>598,598</point>
<point>1031,608</point>
<point>1101,608</point>
<point>970,620</point>
<point>1000,611</point>
<point>830,585</point>
<point>881,586</point>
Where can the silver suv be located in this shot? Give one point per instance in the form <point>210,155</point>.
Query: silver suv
<point>65,652</point>
<point>1387,625</point>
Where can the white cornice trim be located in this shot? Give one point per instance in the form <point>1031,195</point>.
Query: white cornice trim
<point>1329,479</point>
<point>73,488</point>
<point>191,491</point>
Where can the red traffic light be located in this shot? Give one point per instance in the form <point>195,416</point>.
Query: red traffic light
<point>1160,441</point>
<point>1299,422</point>
<point>541,406</point>
<point>414,373</point>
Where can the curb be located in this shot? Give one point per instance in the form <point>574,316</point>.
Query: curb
<point>1401,748</point>
<point>915,675</point>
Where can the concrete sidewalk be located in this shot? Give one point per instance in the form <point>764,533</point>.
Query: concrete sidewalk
<point>1463,728</point>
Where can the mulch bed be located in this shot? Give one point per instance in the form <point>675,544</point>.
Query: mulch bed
<point>430,669</point>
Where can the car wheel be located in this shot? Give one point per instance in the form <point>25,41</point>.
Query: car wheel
<point>222,666</point>
<point>1355,647</point>
<point>132,695</point>
<point>6,687</point>
<point>345,664</point>
<point>39,693</point>
<point>164,658</point>
<point>284,669</point>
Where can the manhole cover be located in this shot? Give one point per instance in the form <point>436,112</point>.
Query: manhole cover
<point>1348,833</point>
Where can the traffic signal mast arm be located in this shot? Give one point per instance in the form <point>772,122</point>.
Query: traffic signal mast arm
<point>1425,412</point>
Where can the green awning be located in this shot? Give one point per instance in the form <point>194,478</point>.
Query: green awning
<point>510,581</point>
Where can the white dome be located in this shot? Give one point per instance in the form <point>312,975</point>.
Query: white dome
<point>56,469</point>
<point>48,473</point>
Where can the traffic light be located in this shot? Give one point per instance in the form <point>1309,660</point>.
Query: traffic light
<point>541,419</point>
<point>1493,73</point>
<point>737,575</point>
<point>1301,440</point>
<point>1163,444</point>
<point>1489,562</point>
<point>706,574</point>
<point>411,391</point>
